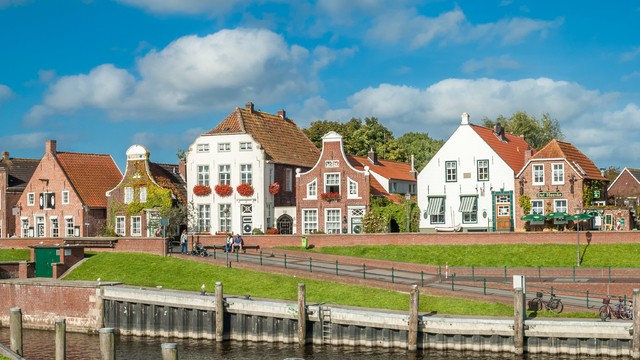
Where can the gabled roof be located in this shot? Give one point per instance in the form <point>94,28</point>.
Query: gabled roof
<point>282,140</point>
<point>19,171</point>
<point>91,175</point>
<point>168,176</point>
<point>511,148</point>
<point>563,150</point>
<point>386,168</point>
<point>635,173</point>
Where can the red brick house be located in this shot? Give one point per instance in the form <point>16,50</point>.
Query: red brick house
<point>14,176</point>
<point>146,188</point>
<point>65,197</point>
<point>625,189</point>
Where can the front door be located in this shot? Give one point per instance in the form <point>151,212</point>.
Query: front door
<point>503,212</point>
<point>39,226</point>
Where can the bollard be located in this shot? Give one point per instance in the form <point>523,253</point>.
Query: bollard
<point>302,315</point>
<point>107,344</point>
<point>518,322</point>
<point>414,302</point>
<point>219,313</point>
<point>61,339</point>
<point>636,324</point>
<point>15,328</point>
<point>169,351</point>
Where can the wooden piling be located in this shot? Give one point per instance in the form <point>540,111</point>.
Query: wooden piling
<point>414,302</point>
<point>61,339</point>
<point>169,351</point>
<point>107,344</point>
<point>219,313</point>
<point>518,321</point>
<point>302,315</point>
<point>15,329</point>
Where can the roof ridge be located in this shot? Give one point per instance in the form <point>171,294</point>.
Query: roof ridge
<point>80,153</point>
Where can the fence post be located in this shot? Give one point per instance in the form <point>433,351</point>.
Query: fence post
<point>539,279</point>
<point>219,306</point>
<point>484,285</point>
<point>587,299</point>
<point>260,257</point>
<point>518,322</point>
<point>61,339</point>
<point>15,329</point>
<point>414,302</point>
<point>574,274</point>
<point>310,269</point>
<point>422,278</point>
<point>453,277</point>
<point>392,274</point>
<point>302,315</point>
<point>505,273</point>
<point>285,261</point>
<point>364,271</point>
<point>169,351</point>
<point>107,344</point>
<point>473,273</point>
<point>609,273</point>
<point>336,267</point>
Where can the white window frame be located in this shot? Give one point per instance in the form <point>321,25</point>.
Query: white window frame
<point>202,148</point>
<point>537,207</point>
<point>224,174</point>
<point>246,146</point>
<point>246,174</point>
<point>128,195</point>
<point>31,199</point>
<point>204,218</point>
<point>54,226</point>
<point>537,174</point>
<point>203,174</point>
<point>560,205</point>
<point>332,221</point>
<point>224,217</point>
<point>69,226</point>
<point>143,194</point>
<point>557,174</point>
<point>136,226</point>
<point>65,197</point>
<point>483,170</point>
<point>352,189</point>
<point>331,179</point>
<point>451,171</point>
<point>312,189</point>
<point>224,147</point>
<point>309,221</point>
<point>120,226</point>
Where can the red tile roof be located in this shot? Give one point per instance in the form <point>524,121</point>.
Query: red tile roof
<point>385,168</point>
<point>563,150</point>
<point>511,149</point>
<point>168,176</point>
<point>281,139</point>
<point>91,175</point>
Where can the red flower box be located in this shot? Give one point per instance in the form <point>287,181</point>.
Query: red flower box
<point>201,190</point>
<point>224,190</point>
<point>330,196</point>
<point>245,189</point>
<point>274,188</point>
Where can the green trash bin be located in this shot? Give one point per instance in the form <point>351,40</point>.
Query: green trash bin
<point>304,242</point>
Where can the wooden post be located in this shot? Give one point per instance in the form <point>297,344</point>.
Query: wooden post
<point>636,324</point>
<point>61,339</point>
<point>302,315</point>
<point>107,344</point>
<point>169,351</point>
<point>219,313</point>
<point>15,329</point>
<point>518,322</point>
<point>414,302</point>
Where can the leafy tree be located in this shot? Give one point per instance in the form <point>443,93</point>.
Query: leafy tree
<point>537,132</point>
<point>421,146</point>
<point>319,128</point>
<point>612,173</point>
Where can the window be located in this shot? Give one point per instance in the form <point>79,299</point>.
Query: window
<point>120,226</point>
<point>332,221</point>
<point>537,207</point>
<point>202,148</point>
<point>65,197</point>
<point>225,217</point>
<point>31,199</point>
<point>245,146</point>
<point>224,147</point>
<point>245,174</point>
<point>312,189</point>
<point>469,209</point>
<point>289,180</point>
<point>483,170</point>
<point>538,174</point>
<point>451,168</point>
<point>435,209</point>
<point>68,227</point>
<point>558,174</point>
<point>55,227</point>
<point>560,205</point>
<point>136,226</point>
<point>203,175</point>
<point>24,227</point>
<point>143,194</point>
<point>353,189</point>
<point>332,183</point>
<point>224,174</point>
<point>128,195</point>
<point>309,221</point>
<point>204,221</point>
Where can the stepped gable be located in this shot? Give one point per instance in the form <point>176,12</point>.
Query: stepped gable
<point>168,176</point>
<point>511,148</point>
<point>556,149</point>
<point>92,175</point>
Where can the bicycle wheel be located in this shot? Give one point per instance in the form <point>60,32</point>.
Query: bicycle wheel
<point>556,306</point>
<point>535,304</point>
<point>604,312</point>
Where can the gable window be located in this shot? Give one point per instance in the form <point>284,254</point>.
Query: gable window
<point>128,195</point>
<point>203,174</point>
<point>537,207</point>
<point>353,189</point>
<point>55,227</point>
<point>560,205</point>
<point>136,226</point>
<point>483,170</point>
<point>224,174</point>
<point>65,197</point>
<point>469,209</point>
<point>537,174</point>
<point>435,209</point>
<point>309,221</point>
<point>202,148</point>
<point>558,174</point>
<point>245,146</point>
<point>451,168</point>
<point>204,221</point>
<point>143,194</point>
<point>289,180</point>
<point>332,221</point>
<point>224,147</point>
<point>312,189</point>
<point>225,217</point>
<point>68,227</point>
<point>246,176</point>
<point>332,183</point>
<point>120,226</point>
<point>31,199</point>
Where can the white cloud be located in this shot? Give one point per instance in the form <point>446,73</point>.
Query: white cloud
<point>490,64</point>
<point>24,141</point>
<point>193,7</point>
<point>5,93</point>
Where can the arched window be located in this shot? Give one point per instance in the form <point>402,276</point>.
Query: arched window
<point>285,224</point>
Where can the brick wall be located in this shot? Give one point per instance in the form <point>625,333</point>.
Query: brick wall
<point>625,186</point>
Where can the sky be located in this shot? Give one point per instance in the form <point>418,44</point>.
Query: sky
<point>99,76</point>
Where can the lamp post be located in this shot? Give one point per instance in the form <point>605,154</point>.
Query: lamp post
<point>407,197</point>
<point>578,235</point>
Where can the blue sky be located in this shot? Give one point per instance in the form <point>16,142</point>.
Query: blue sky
<point>99,76</point>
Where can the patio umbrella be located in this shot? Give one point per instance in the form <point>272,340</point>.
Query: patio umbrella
<point>582,216</point>
<point>533,217</point>
<point>559,215</point>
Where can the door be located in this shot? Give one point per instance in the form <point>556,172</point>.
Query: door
<point>44,258</point>
<point>503,212</point>
<point>39,226</point>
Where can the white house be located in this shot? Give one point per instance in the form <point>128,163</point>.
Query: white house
<point>469,183</point>
<point>258,150</point>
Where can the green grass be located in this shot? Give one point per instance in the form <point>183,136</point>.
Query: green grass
<point>151,271</point>
<point>14,254</point>
<point>522,255</point>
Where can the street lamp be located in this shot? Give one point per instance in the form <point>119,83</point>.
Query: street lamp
<point>407,197</point>
<point>578,234</point>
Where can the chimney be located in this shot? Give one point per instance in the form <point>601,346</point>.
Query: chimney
<point>282,113</point>
<point>50,147</point>
<point>413,172</point>
<point>182,169</point>
<point>373,157</point>
<point>465,119</point>
<point>249,106</point>
<point>602,171</point>
<point>527,154</point>
<point>5,155</point>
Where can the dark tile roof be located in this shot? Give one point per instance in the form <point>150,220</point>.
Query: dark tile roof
<point>282,140</point>
<point>563,150</point>
<point>511,149</point>
<point>92,175</point>
<point>168,176</point>
<point>19,172</point>
<point>635,173</point>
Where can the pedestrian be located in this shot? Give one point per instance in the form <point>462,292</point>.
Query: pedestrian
<point>183,242</point>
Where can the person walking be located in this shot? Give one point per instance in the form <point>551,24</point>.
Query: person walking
<point>183,242</point>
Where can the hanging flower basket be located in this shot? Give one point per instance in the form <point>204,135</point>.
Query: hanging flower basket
<point>224,190</point>
<point>245,189</point>
<point>201,190</point>
<point>330,196</point>
<point>274,188</point>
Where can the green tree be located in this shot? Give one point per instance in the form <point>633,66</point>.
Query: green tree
<point>611,173</point>
<point>421,146</point>
<point>537,132</point>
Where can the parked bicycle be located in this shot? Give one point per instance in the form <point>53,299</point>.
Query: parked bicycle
<point>554,304</point>
<point>622,310</point>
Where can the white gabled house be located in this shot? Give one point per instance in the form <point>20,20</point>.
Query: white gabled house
<point>469,183</point>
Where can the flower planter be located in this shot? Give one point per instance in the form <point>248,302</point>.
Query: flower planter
<point>201,190</point>
<point>245,189</point>
<point>224,190</point>
<point>274,188</point>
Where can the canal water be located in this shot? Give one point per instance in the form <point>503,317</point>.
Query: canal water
<point>40,344</point>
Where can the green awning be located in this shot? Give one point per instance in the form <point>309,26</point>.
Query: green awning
<point>435,203</point>
<point>467,203</point>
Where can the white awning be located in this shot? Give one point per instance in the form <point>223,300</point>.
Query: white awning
<point>435,203</point>
<point>467,203</point>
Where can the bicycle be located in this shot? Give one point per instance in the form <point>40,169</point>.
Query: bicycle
<point>554,304</point>
<point>620,311</point>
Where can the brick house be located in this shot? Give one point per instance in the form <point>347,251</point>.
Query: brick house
<point>146,188</point>
<point>65,197</point>
<point>559,178</point>
<point>392,179</point>
<point>14,176</point>
<point>625,189</point>
<point>258,152</point>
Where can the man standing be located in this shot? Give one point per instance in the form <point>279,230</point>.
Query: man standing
<point>183,242</point>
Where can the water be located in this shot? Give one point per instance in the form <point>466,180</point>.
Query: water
<point>39,344</point>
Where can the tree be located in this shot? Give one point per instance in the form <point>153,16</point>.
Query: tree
<point>611,173</point>
<point>421,146</point>
<point>536,132</point>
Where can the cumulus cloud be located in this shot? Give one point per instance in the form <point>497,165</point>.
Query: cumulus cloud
<point>5,93</point>
<point>24,141</point>
<point>490,64</point>
<point>192,7</point>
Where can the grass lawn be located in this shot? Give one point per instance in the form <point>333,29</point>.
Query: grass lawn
<point>151,270</point>
<point>14,254</point>
<point>522,255</point>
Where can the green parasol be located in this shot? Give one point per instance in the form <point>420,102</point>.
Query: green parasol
<point>533,217</point>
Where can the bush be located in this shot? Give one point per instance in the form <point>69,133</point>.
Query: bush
<point>257,231</point>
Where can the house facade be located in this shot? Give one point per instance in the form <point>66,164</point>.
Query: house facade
<point>392,179</point>
<point>469,183</point>
<point>65,196</point>
<point>15,173</point>
<point>333,196</point>
<point>241,174</point>
<point>625,189</point>
<point>145,190</point>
